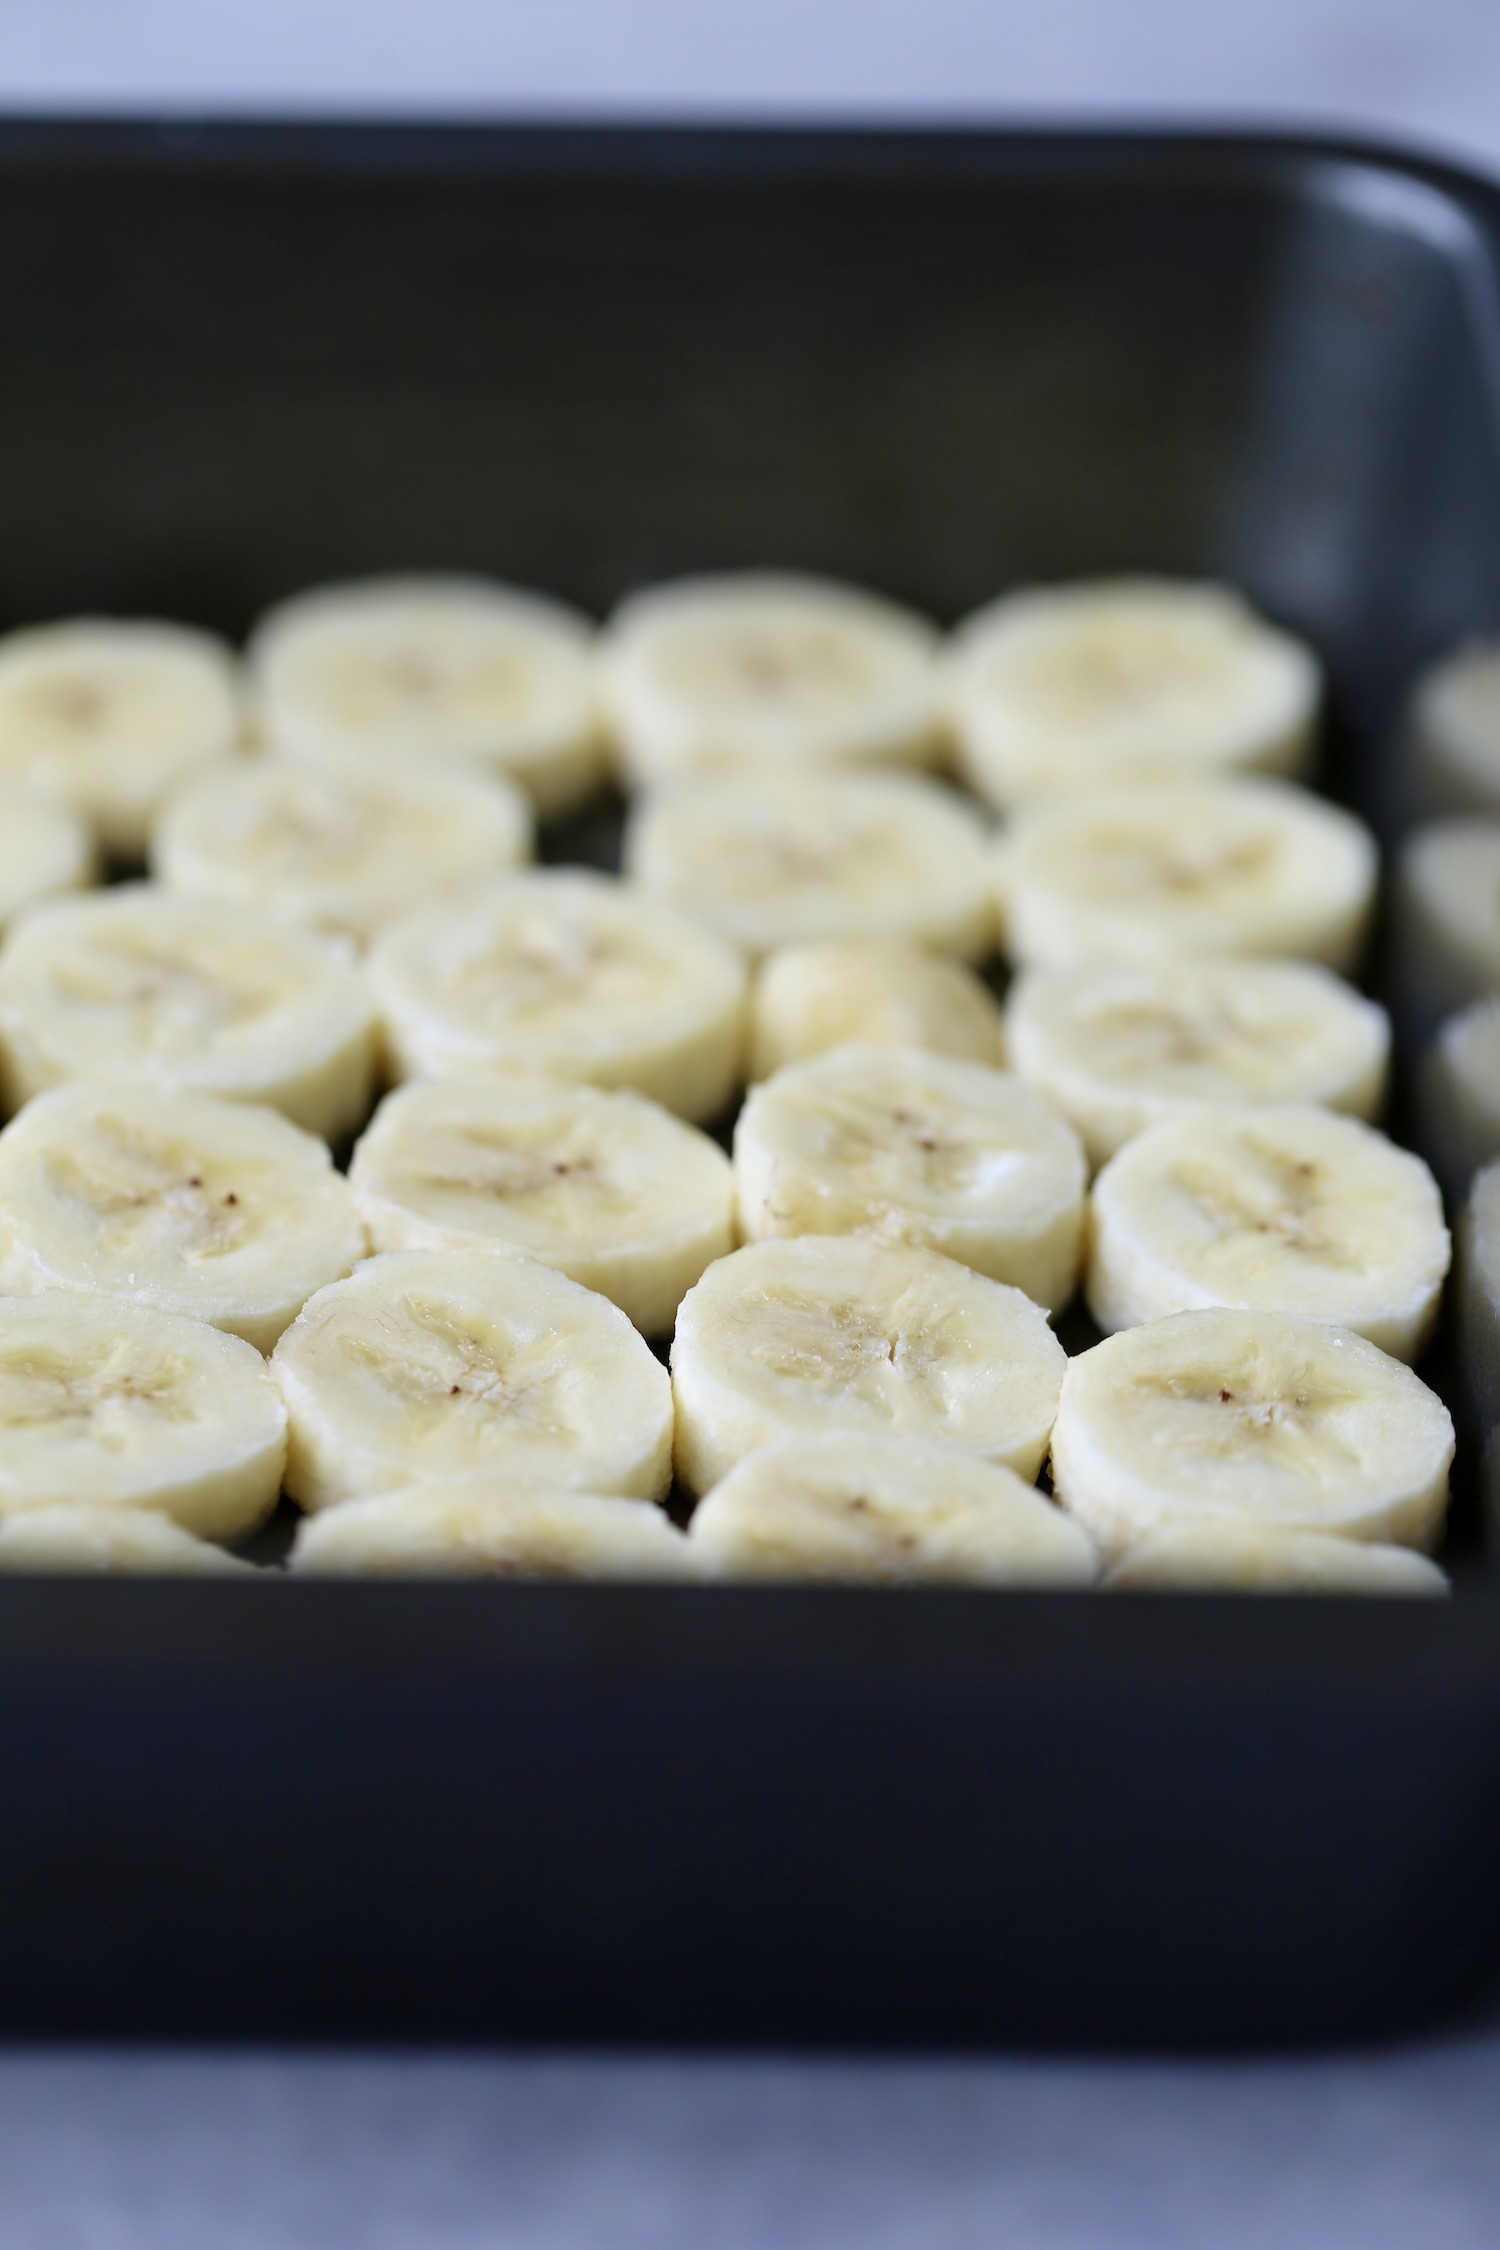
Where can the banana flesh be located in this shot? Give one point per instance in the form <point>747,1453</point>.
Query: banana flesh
<point>609,1188</point>
<point>426,1365</point>
<point>908,1147</point>
<point>412,669</point>
<point>136,984</point>
<point>347,852</point>
<point>1217,1555</point>
<point>1281,1208</point>
<point>808,998</point>
<point>1479,1319</point>
<point>107,1404</point>
<point>1446,919</point>
<point>571,975</point>
<point>1118,1049</point>
<point>1454,736</point>
<point>1255,1417</point>
<point>776,859</point>
<point>1121,682</point>
<point>899,1510</point>
<point>788,1339</point>
<point>104,717</point>
<point>44,849</point>
<point>1459,1086</point>
<point>760,669</point>
<point>478,1528</point>
<point>117,1542</point>
<point>1251,866</point>
<point>219,1211</point>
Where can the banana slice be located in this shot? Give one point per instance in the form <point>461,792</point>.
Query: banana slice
<point>610,1189</point>
<point>846,1505</point>
<point>1248,866</point>
<point>1459,1086</point>
<point>116,1541</point>
<point>1120,1048</point>
<point>426,1365</point>
<point>1283,1208</point>
<point>1455,728</point>
<point>1255,1417</point>
<point>775,858</point>
<point>137,984</point>
<point>1479,1318</point>
<point>348,852</point>
<point>1125,681</point>
<point>568,974</point>
<point>908,1147</point>
<point>808,998</point>
<point>104,716</point>
<point>44,849</point>
<point>760,668</point>
<point>1446,918</point>
<point>106,1404</point>
<point>465,1527</point>
<point>416,668</point>
<point>220,1211</point>
<point>1218,1555</point>
<point>787,1339</point>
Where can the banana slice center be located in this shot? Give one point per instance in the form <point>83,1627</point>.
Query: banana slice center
<point>796,670</point>
<point>131,1190</point>
<point>1282,1198</point>
<point>1292,1427</point>
<point>434,1368</point>
<point>104,1400</point>
<point>840,1346</point>
<point>171,1001</point>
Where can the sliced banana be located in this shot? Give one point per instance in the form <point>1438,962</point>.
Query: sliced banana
<point>1479,1319</point>
<point>1125,681</point>
<point>1249,866</point>
<point>137,984</point>
<point>1459,1084</point>
<point>609,1188</point>
<point>568,974</point>
<point>909,1147</point>
<point>103,716</point>
<point>1252,1416</point>
<point>765,668</point>
<point>777,858</point>
<point>808,998</point>
<point>1455,728</point>
<point>787,1339</point>
<point>417,668</point>
<point>111,1540</point>
<point>44,849</point>
<point>220,1211</point>
<point>1281,1208</point>
<point>347,852</point>
<point>1120,1048</point>
<point>1220,1555</point>
<point>104,1404</point>
<point>470,1527</point>
<point>850,1505</point>
<point>1446,918</point>
<point>426,1365</point>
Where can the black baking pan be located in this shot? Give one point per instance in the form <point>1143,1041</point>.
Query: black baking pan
<point>236,360</point>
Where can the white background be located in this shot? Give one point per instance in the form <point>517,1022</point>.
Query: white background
<point>194,2152</point>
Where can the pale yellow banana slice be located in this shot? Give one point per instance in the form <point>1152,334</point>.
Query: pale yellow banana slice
<point>105,1404</point>
<point>1446,917</point>
<point>1120,1048</point>
<point>1252,1416</point>
<point>1479,1319</point>
<point>786,1339</point>
<point>426,1365</point>
<point>421,668</point>
<point>1250,866</point>
<point>853,1506</point>
<point>1281,1208</point>
<point>808,998</point>
<point>44,849</point>
<point>776,858</point>
<point>104,716</point>
<point>609,1188</point>
<point>470,1527</point>
<point>909,1147</point>
<point>220,1211</point>
<point>1460,1094</point>
<point>568,974</point>
<point>1117,682</point>
<point>347,852</point>
<point>137,984</point>
<point>1217,1555</point>
<point>1455,728</point>
<point>767,668</point>
<point>112,1541</point>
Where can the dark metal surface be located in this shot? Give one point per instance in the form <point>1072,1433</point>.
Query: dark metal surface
<point>237,360</point>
